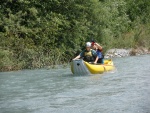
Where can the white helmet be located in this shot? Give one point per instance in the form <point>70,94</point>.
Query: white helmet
<point>88,44</point>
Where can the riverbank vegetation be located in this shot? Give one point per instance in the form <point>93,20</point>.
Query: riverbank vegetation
<point>38,33</point>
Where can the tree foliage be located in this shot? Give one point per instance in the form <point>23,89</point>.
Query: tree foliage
<point>36,33</point>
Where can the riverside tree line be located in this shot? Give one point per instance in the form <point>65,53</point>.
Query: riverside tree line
<point>38,33</point>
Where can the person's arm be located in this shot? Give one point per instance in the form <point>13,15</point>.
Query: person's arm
<point>77,57</point>
<point>95,55</point>
<point>96,60</point>
<point>98,46</point>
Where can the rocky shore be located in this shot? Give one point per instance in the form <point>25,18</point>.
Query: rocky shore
<point>126,52</point>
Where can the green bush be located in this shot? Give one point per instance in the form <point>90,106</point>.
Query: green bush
<point>34,34</point>
<point>6,61</point>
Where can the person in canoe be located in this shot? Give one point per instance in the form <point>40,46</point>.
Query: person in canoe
<point>98,50</point>
<point>88,55</point>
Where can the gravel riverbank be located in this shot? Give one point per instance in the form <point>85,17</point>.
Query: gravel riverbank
<point>126,52</point>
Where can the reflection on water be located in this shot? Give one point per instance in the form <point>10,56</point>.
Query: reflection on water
<point>126,90</point>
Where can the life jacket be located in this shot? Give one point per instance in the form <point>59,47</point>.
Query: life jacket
<point>88,56</point>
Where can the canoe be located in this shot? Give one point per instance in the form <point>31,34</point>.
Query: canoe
<point>81,67</point>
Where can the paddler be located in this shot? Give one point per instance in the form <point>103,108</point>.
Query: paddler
<point>88,55</point>
<point>98,48</point>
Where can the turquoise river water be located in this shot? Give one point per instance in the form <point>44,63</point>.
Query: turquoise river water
<point>125,90</point>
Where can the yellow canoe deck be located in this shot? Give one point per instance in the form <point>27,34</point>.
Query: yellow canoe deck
<point>100,68</point>
<point>80,66</point>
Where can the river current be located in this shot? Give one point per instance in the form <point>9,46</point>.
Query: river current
<point>125,90</point>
